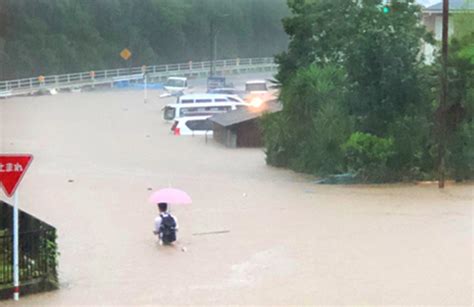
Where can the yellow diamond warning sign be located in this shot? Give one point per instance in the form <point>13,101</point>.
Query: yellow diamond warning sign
<point>125,54</point>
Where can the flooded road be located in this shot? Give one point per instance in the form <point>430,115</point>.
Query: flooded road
<point>280,238</point>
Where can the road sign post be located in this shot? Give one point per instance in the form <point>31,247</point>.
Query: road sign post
<point>12,170</point>
<point>126,54</point>
<point>16,252</point>
<point>145,77</point>
<point>146,85</point>
<point>92,75</point>
<point>41,80</point>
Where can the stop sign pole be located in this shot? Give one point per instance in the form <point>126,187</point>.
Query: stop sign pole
<point>12,169</point>
<point>16,251</point>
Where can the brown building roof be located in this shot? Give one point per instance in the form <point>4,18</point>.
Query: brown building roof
<point>245,114</point>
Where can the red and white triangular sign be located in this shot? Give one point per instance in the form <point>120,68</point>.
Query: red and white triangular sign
<point>12,169</point>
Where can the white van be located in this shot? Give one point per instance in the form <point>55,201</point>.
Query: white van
<point>176,110</point>
<point>208,98</point>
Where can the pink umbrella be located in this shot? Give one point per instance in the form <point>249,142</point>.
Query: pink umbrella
<point>171,196</point>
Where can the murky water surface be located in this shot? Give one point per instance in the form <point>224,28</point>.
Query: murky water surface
<point>281,239</point>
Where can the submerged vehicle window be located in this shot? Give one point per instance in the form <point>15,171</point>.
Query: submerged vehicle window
<point>193,111</point>
<point>250,87</point>
<point>199,125</point>
<point>170,113</point>
<point>233,99</point>
<point>175,83</point>
<point>203,100</point>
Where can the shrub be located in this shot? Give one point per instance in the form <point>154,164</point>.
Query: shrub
<point>367,156</point>
<point>460,156</point>
<point>277,139</point>
<point>412,159</point>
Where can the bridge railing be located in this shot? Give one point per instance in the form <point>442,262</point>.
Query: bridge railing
<point>111,75</point>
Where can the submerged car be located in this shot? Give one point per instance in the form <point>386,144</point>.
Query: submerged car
<point>256,86</point>
<point>195,125</point>
<point>227,91</point>
<point>176,84</point>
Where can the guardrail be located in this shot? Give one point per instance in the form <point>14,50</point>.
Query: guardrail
<point>92,78</point>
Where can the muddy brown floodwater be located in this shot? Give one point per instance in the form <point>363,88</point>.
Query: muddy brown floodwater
<point>280,238</point>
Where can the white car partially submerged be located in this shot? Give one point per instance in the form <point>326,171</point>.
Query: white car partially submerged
<point>194,125</point>
<point>175,86</point>
<point>208,98</point>
<point>258,93</point>
<point>256,87</point>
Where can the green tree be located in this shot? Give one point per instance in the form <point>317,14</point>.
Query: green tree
<point>307,135</point>
<point>319,33</point>
<point>460,155</point>
<point>384,65</point>
<point>60,36</point>
<point>386,89</point>
<point>463,21</point>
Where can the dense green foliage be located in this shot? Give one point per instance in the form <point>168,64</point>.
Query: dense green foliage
<point>368,155</point>
<point>384,67</point>
<point>308,134</point>
<point>461,93</point>
<point>318,33</point>
<point>57,36</point>
<point>377,119</point>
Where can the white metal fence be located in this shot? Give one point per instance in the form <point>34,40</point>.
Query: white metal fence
<point>92,78</point>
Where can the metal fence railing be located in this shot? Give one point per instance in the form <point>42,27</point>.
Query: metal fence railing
<point>6,259</point>
<point>38,251</point>
<point>9,87</point>
<point>37,259</point>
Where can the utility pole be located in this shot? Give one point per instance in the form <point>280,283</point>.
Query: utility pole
<point>443,97</point>
<point>214,20</point>
<point>212,48</point>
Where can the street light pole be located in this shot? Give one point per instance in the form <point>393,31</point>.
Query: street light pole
<point>212,48</point>
<point>443,97</point>
<point>16,249</point>
<point>213,42</point>
<point>216,32</point>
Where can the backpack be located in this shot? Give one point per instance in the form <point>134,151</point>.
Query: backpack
<point>167,229</point>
